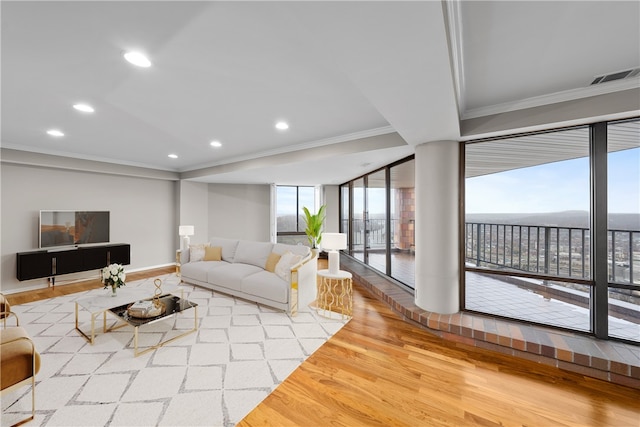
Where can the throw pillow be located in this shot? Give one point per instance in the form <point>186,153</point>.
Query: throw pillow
<point>212,253</point>
<point>272,261</point>
<point>283,267</point>
<point>196,252</point>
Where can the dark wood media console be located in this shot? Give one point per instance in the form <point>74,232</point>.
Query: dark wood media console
<point>54,262</point>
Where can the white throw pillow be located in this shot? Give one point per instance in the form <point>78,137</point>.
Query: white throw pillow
<point>196,252</point>
<point>283,267</point>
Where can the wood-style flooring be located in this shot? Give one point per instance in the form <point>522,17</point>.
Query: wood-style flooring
<point>380,370</point>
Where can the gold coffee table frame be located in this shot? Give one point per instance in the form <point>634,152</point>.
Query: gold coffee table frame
<point>101,304</point>
<point>161,343</point>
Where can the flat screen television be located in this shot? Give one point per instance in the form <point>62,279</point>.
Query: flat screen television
<point>70,228</point>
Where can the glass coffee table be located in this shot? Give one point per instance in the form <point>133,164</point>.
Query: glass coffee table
<point>173,305</point>
<point>99,305</point>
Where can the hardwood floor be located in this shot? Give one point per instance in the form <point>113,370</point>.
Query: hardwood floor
<point>381,370</point>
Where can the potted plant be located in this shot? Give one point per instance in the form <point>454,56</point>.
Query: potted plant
<point>314,226</point>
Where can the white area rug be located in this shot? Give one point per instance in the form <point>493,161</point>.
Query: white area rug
<point>214,376</point>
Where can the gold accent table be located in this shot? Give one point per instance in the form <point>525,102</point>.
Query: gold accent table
<point>335,294</point>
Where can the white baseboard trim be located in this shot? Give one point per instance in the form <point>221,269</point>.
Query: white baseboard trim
<point>67,279</point>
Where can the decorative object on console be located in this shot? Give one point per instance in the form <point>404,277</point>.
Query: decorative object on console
<point>185,231</point>
<point>314,225</point>
<point>113,276</point>
<point>333,242</point>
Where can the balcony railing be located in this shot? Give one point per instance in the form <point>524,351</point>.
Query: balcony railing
<point>371,233</point>
<point>558,251</point>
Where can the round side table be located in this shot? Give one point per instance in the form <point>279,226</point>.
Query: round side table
<point>335,294</point>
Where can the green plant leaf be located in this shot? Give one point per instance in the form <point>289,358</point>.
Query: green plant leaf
<point>314,225</point>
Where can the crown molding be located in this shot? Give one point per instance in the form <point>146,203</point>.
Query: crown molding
<point>554,98</point>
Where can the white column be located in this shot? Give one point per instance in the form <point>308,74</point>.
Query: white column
<point>437,233</point>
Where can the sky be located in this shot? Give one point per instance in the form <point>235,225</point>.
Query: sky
<point>556,187</point>
<point>553,187</point>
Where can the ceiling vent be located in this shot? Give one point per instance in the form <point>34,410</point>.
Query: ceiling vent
<point>618,75</point>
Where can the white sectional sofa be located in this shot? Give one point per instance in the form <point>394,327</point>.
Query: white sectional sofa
<point>277,275</point>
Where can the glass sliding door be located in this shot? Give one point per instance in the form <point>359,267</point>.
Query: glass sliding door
<point>403,210</point>
<point>375,224</point>
<point>345,205</point>
<point>357,220</point>
<point>623,251</point>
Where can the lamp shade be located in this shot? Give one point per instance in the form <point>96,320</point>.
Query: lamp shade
<point>334,241</point>
<point>186,230</point>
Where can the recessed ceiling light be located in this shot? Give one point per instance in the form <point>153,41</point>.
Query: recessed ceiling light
<point>216,144</point>
<point>85,108</point>
<point>173,156</point>
<point>138,59</point>
<point>282,125</point>
<point>55,132</point>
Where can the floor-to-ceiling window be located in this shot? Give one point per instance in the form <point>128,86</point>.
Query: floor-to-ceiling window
<point>537,229</point>
<point>290,223</point>
<point>375,224</point>
<point>378,215</point>
<point>403,216</point>
<point>357,237</point>
<point>623,200</point>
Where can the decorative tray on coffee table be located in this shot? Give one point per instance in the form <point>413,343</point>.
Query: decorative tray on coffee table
<point>144,309</point>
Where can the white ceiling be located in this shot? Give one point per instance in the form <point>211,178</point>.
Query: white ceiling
<point>360,83</point>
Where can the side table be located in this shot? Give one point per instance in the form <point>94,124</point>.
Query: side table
<point>178,262</point>
<point>335,294</point>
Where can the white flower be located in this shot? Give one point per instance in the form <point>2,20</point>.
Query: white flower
<point>113,275</point>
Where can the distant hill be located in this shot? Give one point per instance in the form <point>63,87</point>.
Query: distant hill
<point>577,219</point>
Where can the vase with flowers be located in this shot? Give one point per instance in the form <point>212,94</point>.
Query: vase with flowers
<point>113,276</point>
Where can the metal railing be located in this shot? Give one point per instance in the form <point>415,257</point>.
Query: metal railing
<point>371,232</point>
<point>550,250</point>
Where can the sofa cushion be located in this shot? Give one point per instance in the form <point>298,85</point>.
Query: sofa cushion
<point>282,248</point>
<point>212,253</point>
<point>199,270</point>
<point>283,268</point>
<point>228,247</point>
<point>196,252</point>
<point>254,253</point>
<point>272,261</point>
<point>266,285</point>
<point>231,275</point>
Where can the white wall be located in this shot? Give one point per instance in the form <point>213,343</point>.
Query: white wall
<point>143,214</point>
<point>194,209</point>
<point>239,211</point>
<point>332,199</point>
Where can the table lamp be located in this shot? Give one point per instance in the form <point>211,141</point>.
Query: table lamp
<point>332,243</point>
<point>185,231</point>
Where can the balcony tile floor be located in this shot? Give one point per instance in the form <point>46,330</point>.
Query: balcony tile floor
<point>608,360</point>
